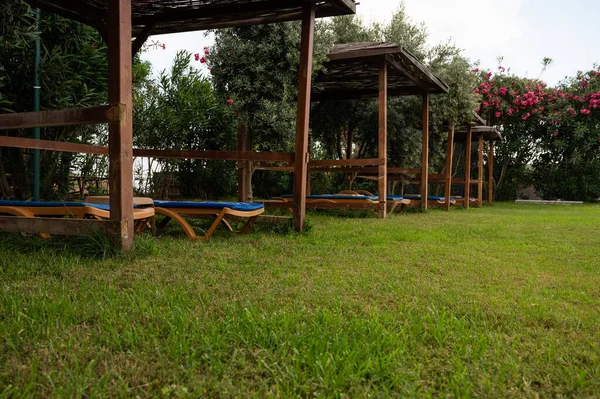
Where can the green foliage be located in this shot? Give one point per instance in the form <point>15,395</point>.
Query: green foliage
<point>180,111</point>
<point>73,74</point>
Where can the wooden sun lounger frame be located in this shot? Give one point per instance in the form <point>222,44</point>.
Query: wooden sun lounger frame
<point>141,215</point>
<point>342,203</point>
<point>218,214</point>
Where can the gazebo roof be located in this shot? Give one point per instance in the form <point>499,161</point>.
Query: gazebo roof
<point>490,133</point>
<point>170,16</point>
<point>352,71</point>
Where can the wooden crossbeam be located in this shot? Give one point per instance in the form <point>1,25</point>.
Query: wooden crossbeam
<point>69,227</point>
<point>348,162</point>
<point>20,142</point>
<point>65,117</point>
<point>215,155</point>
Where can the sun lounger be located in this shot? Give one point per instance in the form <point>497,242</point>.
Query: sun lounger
<point>78,210</point>
<point>218,211</point>
<point>432,201</point>
<point>348,200</point>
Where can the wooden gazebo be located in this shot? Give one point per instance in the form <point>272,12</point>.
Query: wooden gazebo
<point>477,130</point>
<point>121,21</point>
<point>374,69</point>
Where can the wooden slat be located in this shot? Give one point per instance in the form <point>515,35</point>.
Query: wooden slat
<point>348,162</point>
<point>468,150</point>
<point>63,117</point>
<point>425,152</point>
<point>382,139</point>
<point>215,155</point>
<point>19,142</point>
<point>120,135</point>
<point>303,115</point>
<point>491,174</point>
<point>405,72</point>
<point>342,169</point>
<point>448,179</point>
<point>70,227</point>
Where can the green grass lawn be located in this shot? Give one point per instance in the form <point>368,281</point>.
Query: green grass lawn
<point>502,301</point>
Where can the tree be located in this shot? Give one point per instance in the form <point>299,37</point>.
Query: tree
<point>73,74</point>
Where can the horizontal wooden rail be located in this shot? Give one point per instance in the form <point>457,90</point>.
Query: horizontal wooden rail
<point>70,227</point>
<point>215,155</point>
<point>274,168</point>
<point>347,162</point>
<point>325,169</point>
<point>20,142</point>
<point>64,117</point>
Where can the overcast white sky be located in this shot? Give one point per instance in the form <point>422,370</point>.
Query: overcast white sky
<point>521,31</point>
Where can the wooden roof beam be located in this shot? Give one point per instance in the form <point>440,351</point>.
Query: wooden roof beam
<point>391,61</point>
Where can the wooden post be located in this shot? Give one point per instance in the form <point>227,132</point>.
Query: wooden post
<point>449,154</point>
<point>241,165</point>
<point>303,115</point>
<point>480,174</point>
<point>248,168</point>
<point>425,154</point>
<point>468,151</point>
<point>491,173</point>
<point>382,142</point>
<point>120,134</point>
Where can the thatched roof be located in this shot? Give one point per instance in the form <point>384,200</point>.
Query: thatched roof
<point>352,71</point>
<point>170,16</point>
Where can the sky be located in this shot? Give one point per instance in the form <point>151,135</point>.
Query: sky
<point>523,32</point>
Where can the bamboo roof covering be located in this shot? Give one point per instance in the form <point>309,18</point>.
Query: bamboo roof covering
<point>352,71</point>
<point>171,16</point>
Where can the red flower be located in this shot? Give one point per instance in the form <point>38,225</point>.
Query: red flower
<point>230,102</point>
<point>555,133</point>
<point>197,57</point>
<point>498,114</point>
<point>584,84</point>
<point>164,46</point>
<point>476,90</point>
<point>585,111</point>
<point>203,60</point>
<point>475,70</point>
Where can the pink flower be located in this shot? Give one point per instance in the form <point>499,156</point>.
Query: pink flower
<point>585,111</point>
<point>203,60</point>
<point>501,69</point>
<point>164,46</point>
<point>498,114</point>
<point>584,84</point>
<point>475,70</point>
<point>230,102</point>
<point>206,51</point>
<point>503,91</point>
<point>510,112</point>
<point>555,133</point>
<point>197,57</point>
<point>476,90</point>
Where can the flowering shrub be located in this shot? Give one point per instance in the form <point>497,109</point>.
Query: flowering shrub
<point>556,130</point>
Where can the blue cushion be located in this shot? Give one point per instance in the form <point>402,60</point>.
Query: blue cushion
<point>236,206</point>
<point>43,204</point>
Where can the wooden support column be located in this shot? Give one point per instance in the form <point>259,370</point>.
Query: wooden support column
<point>303,115</point>
<point>425,154</point>
<point>382,140</point>
<point>491,173</point>
<point>480,174</point>
<point>120,134</point>
<point>468,151</point>
<point>241,165</point>
<point>449,154</point>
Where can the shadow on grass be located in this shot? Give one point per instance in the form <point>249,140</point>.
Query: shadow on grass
<point>97,246</point>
